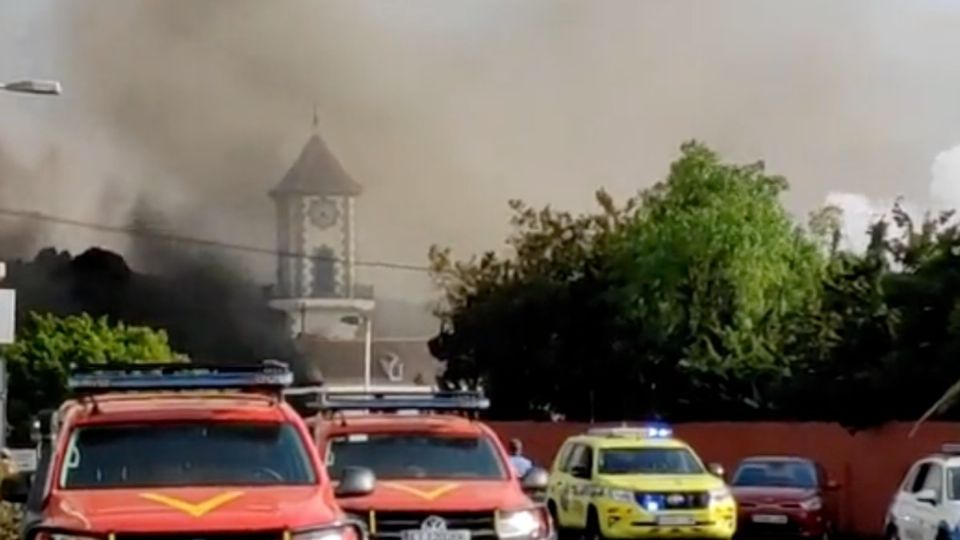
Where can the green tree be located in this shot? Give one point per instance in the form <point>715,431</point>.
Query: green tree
<point>701,298</point>
<point>47,346</point>
<point>845,345</point>
<point>886,335</point>
<point>926,293</point>
<point>826,226</point>
<point>676,299</point>
<point>532,326</point>
<point>713,268</point>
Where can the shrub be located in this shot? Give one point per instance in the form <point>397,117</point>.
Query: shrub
<point>10,519</point>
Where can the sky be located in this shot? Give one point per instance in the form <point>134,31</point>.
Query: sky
<point>445,110</point>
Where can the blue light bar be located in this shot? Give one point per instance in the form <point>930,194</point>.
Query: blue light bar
<point>273,376</point>
<point>659,431</point>
<point>653,431</point>
<point>400,401</point>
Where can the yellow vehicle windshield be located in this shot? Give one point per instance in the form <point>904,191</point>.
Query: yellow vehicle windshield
<point>648,460</point>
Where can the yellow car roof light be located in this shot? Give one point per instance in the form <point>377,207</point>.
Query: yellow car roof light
<point>649,431</point>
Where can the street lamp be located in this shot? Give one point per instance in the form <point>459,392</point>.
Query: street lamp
<point>33,86</point>
<point>8,303</point>
<point>8,297</point>
<point>357,320</point>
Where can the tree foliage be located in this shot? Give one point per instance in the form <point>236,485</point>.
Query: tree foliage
<point>46,348</point>
<point>712,266</point>
<point>10,519</point>
<point>701,298</point>
<point>509,319</point>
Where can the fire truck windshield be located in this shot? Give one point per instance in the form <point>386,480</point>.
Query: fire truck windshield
<point>185,454</point>
<point>405,455</point>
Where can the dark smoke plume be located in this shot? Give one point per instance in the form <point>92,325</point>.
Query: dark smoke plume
<point>201,106</point>
<point>211,309</point>
<point>209,312</point>
<point>216,301</point>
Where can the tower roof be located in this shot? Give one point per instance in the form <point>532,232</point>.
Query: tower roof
<point>316,172</point>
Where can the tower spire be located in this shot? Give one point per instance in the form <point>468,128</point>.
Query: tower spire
<point>316,118</point>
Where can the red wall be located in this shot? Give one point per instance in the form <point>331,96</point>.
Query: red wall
<point>869,465</point>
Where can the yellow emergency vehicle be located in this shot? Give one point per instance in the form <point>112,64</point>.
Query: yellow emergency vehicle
<point>637,482</point>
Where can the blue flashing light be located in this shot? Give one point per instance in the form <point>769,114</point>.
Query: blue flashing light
<point>659,431</point>
<point>395,402</point>
<point>650,502</point>
<point>144,377</point>
<point>653,431</point>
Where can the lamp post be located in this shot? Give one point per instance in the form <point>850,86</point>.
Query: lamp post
<point>357,320</point>
<point>34,86</point>
<point>8,297</point>
<point>8,302</point>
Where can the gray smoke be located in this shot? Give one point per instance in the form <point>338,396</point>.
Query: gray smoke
<point>444,110</point>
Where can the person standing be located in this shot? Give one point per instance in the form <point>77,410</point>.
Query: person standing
<point>521,465</point>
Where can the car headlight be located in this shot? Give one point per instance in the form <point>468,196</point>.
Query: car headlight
<point>720,495</point>
<point>357,518</point>
<point>41,533</point>
<point>617,494</point>
<point>531,523</point>
<point>55,534</point>
<point>343,532</point>
<point>812,504</point>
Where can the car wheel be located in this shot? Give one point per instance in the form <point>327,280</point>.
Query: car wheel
<point>563,533</point>
<point>943,534</point>
<point>593,532</point>
<point>892,533</point>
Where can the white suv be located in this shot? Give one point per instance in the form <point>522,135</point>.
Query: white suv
<point>927,503</point>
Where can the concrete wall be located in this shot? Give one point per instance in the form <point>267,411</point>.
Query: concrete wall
<point>869,464</point>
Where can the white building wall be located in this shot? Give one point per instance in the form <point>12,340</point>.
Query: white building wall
<point>323,316</point>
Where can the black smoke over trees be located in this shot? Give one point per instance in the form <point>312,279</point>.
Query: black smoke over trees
<point>209,310</point>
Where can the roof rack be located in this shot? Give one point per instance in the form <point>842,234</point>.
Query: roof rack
<point>333,400</point>
<point>268,376</point>
<point>952,449</point>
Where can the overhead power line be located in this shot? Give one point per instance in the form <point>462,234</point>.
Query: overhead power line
<point>170,237</point>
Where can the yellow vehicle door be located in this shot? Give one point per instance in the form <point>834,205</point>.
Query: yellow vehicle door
<point>560,481</point>
<point>580,471</point>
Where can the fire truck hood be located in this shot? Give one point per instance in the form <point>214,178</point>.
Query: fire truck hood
<point>192,509</point>
<point>441,495</point>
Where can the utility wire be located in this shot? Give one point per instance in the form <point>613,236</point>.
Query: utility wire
<point>169,237</point>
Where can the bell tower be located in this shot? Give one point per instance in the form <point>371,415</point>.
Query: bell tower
<point>316,240</point>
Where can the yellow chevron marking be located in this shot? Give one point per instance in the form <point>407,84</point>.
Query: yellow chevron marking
<point>194,509</point>
<point>426,495</point>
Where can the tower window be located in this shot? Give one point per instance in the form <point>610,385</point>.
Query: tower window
<point>324,272</point>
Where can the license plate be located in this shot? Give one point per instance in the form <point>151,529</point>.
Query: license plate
<point>676,520</point>
<point>769,518</point>
<point>420,534</point>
